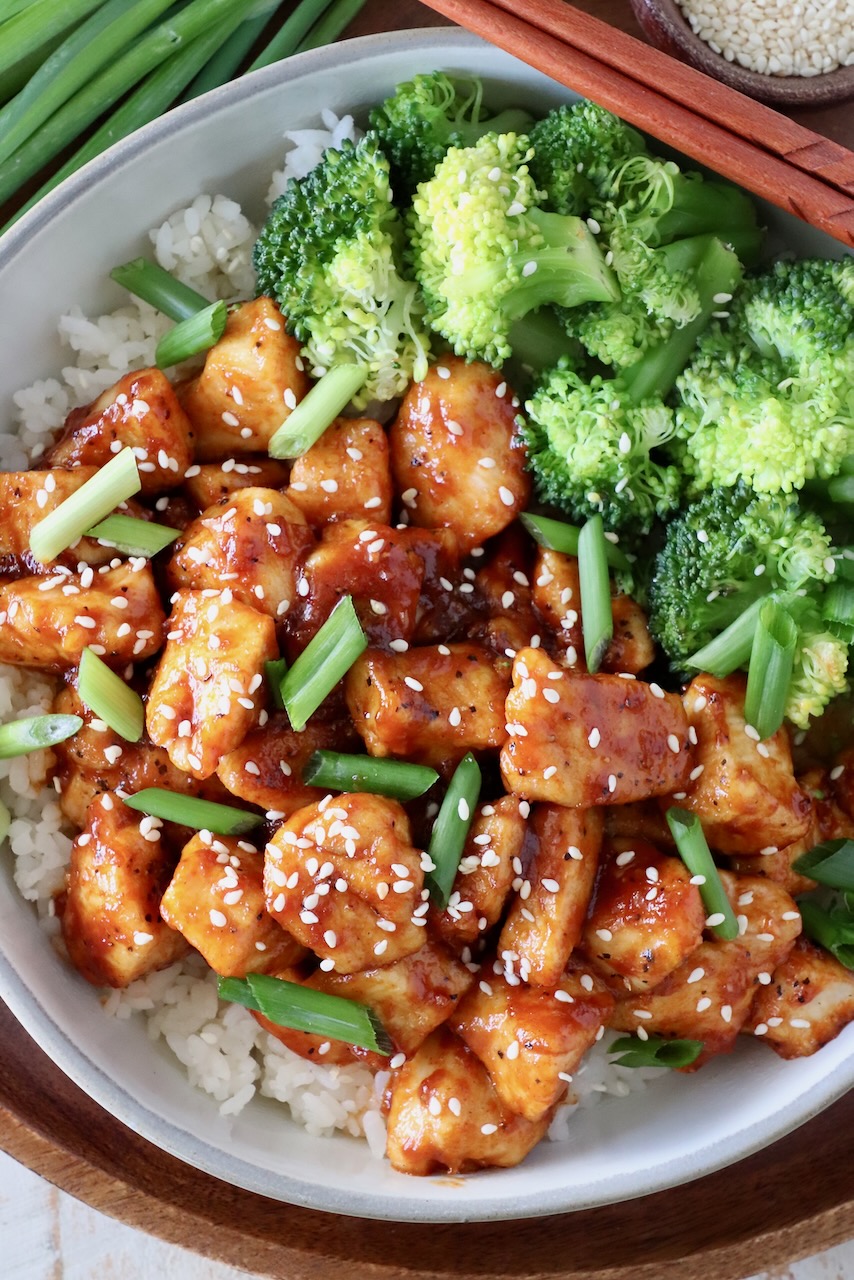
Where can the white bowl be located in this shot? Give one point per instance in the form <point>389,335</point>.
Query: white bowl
<point>59,255</point>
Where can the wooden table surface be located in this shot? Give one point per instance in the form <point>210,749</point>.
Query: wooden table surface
<point>790,1200</point>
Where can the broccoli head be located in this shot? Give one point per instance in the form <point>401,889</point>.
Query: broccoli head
<point>328,253</point>
<point>819,673</point>
<point>769,395</point>
<point>429,114</point>
<point>589,447</point>
<point>485,254</point>
<point>577,150</point>
<point>723,552</point>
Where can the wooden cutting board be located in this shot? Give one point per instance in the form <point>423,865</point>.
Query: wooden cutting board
<point>793,1199</point>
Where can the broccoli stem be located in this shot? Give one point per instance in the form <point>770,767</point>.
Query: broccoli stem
<point>539,340</point>
<point>513,120</point>
<point>705,208</point>
<point>718,275</point>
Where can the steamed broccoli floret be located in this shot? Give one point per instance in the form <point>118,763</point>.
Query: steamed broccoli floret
<point>577,150</point>
<point>328,253</point>
<point>426,116</point>
<point>591,440</point>
<point>819,673</point>
<point>723,552</point>
<point>769,396</point>
<point>485,254</point>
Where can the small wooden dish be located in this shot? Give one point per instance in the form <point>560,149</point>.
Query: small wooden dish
<point>665,26</point>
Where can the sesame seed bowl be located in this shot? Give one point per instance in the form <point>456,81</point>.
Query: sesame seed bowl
<point>59,256</point>
<point>751,47</point>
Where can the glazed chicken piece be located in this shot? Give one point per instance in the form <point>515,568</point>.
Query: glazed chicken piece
<point>141,411</point>
<point>842,781</point>
<point>48,622</point>
<point>205,693</point>
<point>445,612</point>
<point>531,1039</point>
<point>343,877</point>
<point>252,542</point>
<point>491,860</point>
<point>745,793</point>
<point>369,562</point>
<point>429,705</point>
<point>646,917</point>
<point>632,648</point>
<point>346,475</point>
<point>26,497</point>
<point>808,1001</point>
<point>315,1048</point>
<point>503,586</point>
<point>582,740</point>
<point>546,917</point>
<point>208,484</point>
<point>216,900</point>
<point>641,820</point>
<point>445,1114</point>
<point>411,998</point>
<point>97,759</point>
<point>456,453</point>
<point>253,378</point>
<point>111,921</point>
<point>827,822</point>
<point>709,996</point>
<point>266,769</point>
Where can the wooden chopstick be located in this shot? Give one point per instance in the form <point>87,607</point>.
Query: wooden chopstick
<point>819,156</point>
<point>675,123</point>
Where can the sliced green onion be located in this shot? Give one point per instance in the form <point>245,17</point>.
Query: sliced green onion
<point>830,863</point>
<point>275,671</point>
<point>5,821</point>
<point>691,843</point>
<point>772,657</point>
<point>451,829</point>
<point>554,535</point>
<point>111,485</point>
<point>192,336</point>
<point>656,1051</point>
<point>731,649</point>
<point>833,930</point>
<point>340,14</point>
<point>157,287</point>
<point>189,811</point>
<point>287,40</point>
<point>109,697</point>
<point>338,771</point>
<point>288,1004</point>
<point>19,737</point>
<point>317,411</point>
<point>133,536</point>
<point>327,657</point>
<point>837,603</point>
<point>224,64</point>
<point>27,30</point>
<point>597,620</point>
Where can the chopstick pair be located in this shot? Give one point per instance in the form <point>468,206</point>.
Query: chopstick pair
<point>745,141</point>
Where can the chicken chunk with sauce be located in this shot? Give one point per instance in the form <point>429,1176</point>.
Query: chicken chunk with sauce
<point>346,475</point>
<point>806,1003</point>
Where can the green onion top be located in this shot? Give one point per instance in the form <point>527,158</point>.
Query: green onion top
<point>133,536</point>
<point>327,657</point>
<point>190,811</point>
<point>772,658</point>
<point>289,1004</point>
<point>20,737</point>
<point>152,283</point>
<point>555,535</point>
<point>655,1051</point>
<point>110,697</point>
<point>111,485</point>
<point>451,828</point>
<point>317,411</point>
<point>597,620</point>
<point>192,336</point>
<point>338,771</point>
<point>832,929</point>
<point>694,851</point>
<point>830,863</point>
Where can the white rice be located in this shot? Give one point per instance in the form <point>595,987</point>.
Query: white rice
<point>223,1049</point>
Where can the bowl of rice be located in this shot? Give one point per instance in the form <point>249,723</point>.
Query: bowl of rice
<point>201,1078</point>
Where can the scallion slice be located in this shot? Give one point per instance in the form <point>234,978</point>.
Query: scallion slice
<point>830,863</point>
<point>731,648</point>
<point>691,843</point>
<point>156,286</point>
<point>772,657</point>
<point>555,535</point>
<point>656,1051</point>
<point>189,811</point>
<point>833,930</point>
<point>133,536</point>
<point>288,1004</point>
<point>597,621</point>
<point>837,604</point>
<point>317,410</point>
<point>192,336</point>
<point>19,737</point>
<point>327,657</point>
<point>275,671</point>
<point>113,484</point>
<point>451,829</point>
<point>109,697</point>
<point>338,771</point>
<point>5,821</point>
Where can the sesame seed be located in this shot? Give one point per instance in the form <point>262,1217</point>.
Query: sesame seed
<point>703,1004</point>
<point>673,743</point>
<point>443,372</point>
<point>716,918</point>
<point>488,1129</point>
<point>605,934</point>
<point>612,782</point>
<point>506,496</point>
<point>218,919</point>
<point>551,886</point>
<point>594,738</point>
<point>414,684</point>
